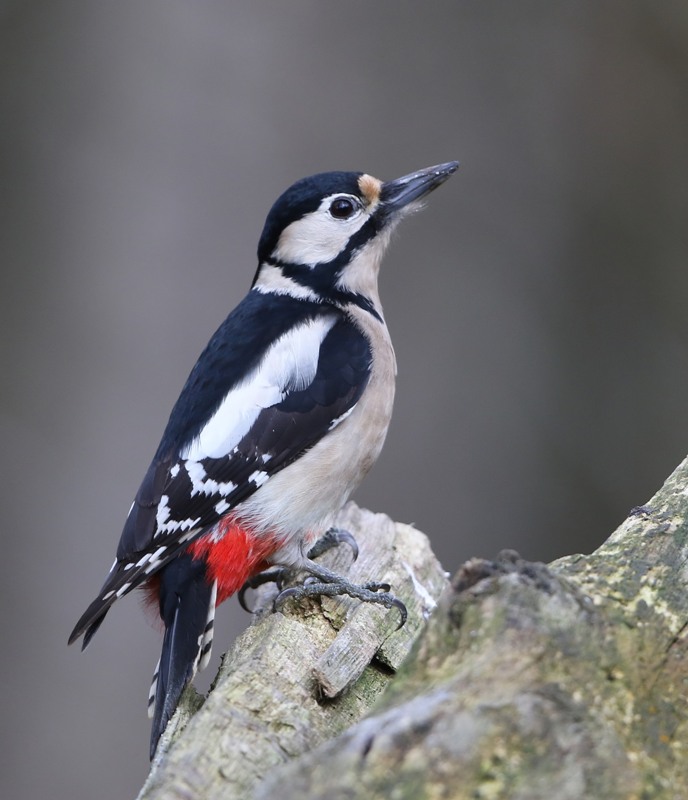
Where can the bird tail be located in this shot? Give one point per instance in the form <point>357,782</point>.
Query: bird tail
<point>187,608</point>
<point>89,623</point>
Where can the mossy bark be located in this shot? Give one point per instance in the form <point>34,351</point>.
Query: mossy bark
<point>296,679</point>
<point>528,681</point>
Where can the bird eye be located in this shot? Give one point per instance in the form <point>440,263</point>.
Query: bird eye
<point>342,207</point>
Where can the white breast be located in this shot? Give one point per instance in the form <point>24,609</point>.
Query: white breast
<point>301,501</point>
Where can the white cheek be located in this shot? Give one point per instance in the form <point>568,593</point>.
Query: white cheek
<point>316,238</point>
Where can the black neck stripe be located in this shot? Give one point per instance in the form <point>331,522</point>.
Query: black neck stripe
<point>358,300</point>
<point>312,278</point>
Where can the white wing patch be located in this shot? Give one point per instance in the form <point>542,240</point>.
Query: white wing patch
<point>289,364</point>
<point>165,525</point>
<point>202,484</point>
<point>258,477</point>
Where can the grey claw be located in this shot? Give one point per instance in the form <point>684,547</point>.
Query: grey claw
<point>403,612</point>
<point>345,536</point>
<point>284,595</point>
<point>332,538</point>
<point>275,576</point>
<point>241,597</point>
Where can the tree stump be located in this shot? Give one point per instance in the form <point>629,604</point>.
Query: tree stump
<point>528,681</point>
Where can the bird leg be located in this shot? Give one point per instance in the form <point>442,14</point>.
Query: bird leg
<point>280,575</point>
<point>321,581</point>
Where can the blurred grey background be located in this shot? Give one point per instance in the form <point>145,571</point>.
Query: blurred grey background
<point>538,305</point>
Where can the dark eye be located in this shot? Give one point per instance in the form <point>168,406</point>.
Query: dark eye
<point>342,207</point>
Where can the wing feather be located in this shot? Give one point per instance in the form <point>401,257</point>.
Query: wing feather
<point>304,385</point>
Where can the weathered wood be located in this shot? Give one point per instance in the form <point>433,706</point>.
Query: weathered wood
<point>265,707</point>
<point>528,682</point>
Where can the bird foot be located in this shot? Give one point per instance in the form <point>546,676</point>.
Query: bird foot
<point>331,585</point>
<point>321,582</point>
<point>280,575</point>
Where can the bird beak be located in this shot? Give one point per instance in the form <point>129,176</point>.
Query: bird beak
<point>400,193</point>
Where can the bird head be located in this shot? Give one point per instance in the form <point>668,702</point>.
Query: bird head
<point>326,234</point>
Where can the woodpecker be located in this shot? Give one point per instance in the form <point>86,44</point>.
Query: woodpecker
<point>282,416</point>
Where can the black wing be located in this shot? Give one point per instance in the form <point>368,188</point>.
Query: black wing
<point>321,373</point>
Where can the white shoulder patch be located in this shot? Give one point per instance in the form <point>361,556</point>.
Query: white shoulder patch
<point>289,364</point>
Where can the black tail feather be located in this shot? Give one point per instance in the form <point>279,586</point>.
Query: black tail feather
<point>185,596</point>
<point>92,628</point>
<point>90,621</point>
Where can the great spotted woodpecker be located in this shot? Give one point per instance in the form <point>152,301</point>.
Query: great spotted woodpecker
<point>283,414</point>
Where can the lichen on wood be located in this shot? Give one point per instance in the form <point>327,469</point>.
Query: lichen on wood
<point>281,689</point>
<point>528,681</point>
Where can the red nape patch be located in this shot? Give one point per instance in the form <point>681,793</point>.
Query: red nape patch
<point>232,555</point>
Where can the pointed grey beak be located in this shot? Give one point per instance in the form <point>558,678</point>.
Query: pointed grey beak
<point>399,193</point>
